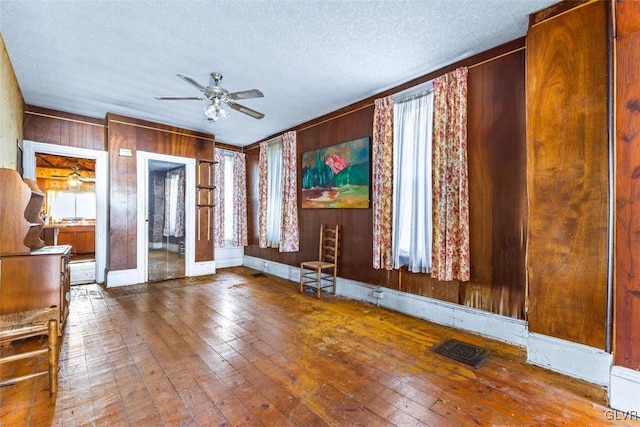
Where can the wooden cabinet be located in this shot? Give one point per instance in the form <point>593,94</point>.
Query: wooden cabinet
<point>204,209</point>
<point>40,279</point>
<point>15,195</point>
<point>82,238</point>
<point>32,215</point>
<point>32,275</point>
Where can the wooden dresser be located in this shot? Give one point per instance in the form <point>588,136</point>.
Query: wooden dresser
<point>37,280</point>
<point>31,275</point>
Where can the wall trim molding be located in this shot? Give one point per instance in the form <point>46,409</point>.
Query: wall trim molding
<point>569,358</point>
<point>117,278</point>
<point>203,268</point>
<point>229,256</point>
<point>624,391</point>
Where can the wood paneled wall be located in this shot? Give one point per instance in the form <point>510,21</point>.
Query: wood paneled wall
<point>627,246</point>
<point>11,112</point>
<point>567,176</point>
<point>497,190</point>
<point>60,128</point>
<point>133,134</point>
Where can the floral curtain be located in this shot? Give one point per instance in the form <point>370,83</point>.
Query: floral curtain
<point>239,200</point>
<point>382,182</point>
<point>262,195</point>
<point>289,233</point>
<point>218,199</point>
<point>450,254</point>
<point>174,204</point>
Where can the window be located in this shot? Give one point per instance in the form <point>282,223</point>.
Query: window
<point>274,193</point>
<point>228,197</point>
<point>277,192</point>
<point>71,205</point>
<point>412,154</point>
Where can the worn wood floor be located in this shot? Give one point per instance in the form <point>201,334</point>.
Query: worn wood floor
<point>233,349</point>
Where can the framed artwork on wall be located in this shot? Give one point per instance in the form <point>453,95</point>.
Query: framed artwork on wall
<point>337,176</point>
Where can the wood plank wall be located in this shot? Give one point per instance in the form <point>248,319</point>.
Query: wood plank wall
<point>497,191</point>
<point>60,128</point>
<point>56,127</point>
<point>135,134</point>
<point>567,176</point>
<point>627,246</point>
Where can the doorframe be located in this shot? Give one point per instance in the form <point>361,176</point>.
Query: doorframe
<point>30,148</point>
<point>142,159</point>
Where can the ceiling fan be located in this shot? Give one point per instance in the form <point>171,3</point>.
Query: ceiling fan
<point>218,96</point>
<point>75,175</point>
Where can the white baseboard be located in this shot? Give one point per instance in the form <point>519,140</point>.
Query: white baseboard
<point>502,328</point>
<point>624,393</point>
<point>202,268</point>
<point>229,256</point>
<point>569,358</point>
<point>122,278</point>
<point>277,269</point>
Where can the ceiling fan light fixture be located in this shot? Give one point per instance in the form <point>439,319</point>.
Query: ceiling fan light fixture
<point>214,111</point>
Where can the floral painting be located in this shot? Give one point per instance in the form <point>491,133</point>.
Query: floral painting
<point>336,176</point>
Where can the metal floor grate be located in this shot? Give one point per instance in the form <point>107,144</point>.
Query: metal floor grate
<point>462,352</point>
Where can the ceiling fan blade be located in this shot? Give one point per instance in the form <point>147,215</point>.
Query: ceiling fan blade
<point>178,98</point>
<point>191,81</point>
<point>246,94</point>
<point>253,113</point>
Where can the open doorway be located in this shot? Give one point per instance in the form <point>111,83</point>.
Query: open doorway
<point>166,232</point>
<point>79,158</point>
<point>69,210</point>
<point>166,220</point>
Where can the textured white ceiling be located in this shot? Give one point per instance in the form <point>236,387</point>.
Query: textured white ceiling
<point>309,57</point>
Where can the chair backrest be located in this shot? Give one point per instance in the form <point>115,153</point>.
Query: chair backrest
<point>328,250</point>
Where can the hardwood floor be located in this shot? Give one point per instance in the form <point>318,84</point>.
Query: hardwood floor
<point>233,349</point>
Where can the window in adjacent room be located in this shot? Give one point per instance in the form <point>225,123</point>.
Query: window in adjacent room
<point>71,205</point>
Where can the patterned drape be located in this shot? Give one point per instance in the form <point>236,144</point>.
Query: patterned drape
<point>382,182</point>
<point>174,193</point>
<point>180,203</point>
<point>450,253</point>
<point>289,233</point>
<point>218,199</point>
<point>239,200</point>
<point>262,195</point>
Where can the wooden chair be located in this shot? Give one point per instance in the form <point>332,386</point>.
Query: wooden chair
<point>321,274</point>
<point>26,324</point>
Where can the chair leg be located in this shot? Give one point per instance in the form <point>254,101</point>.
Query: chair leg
<point>301,276</point>
<point>53,356</point>
<point>335,273</point>
<point>318,281</point>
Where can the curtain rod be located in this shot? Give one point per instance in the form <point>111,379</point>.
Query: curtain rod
<point>371,103</point>
<point>269,141</point>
